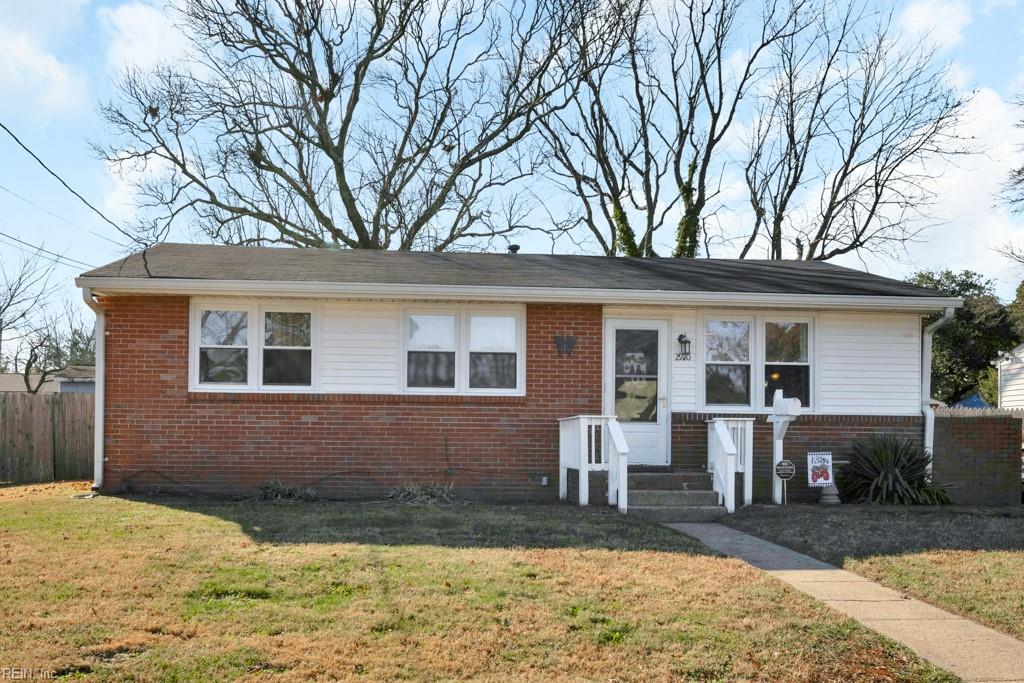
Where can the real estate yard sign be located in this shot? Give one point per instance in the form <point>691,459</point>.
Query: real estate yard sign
<point>819,469</point>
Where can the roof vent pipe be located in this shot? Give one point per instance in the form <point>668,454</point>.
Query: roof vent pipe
<point>513,248</point>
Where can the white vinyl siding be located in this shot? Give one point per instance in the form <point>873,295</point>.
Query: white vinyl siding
<point>361,348</point>
<point>869,363</point>
<point>863,363</point>
<point>684,372</point>
<point>1011,382</point>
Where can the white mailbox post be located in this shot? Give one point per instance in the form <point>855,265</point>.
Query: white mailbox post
<point>784,411</point>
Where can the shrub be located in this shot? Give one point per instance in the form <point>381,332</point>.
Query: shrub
<point>424,494</point>
<point>888,469</point>
<point>276,491</point>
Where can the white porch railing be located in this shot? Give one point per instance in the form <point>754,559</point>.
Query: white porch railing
<point>593,443</point>
<point>731,450</point>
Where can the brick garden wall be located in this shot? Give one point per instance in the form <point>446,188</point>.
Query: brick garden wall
<point>978,458</point>
<point>158,434</point>
<point>807,433</point>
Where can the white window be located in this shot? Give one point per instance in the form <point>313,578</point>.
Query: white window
<point>224,347</point>
<point>464,350</point>
<point>430,351</point>
<point>249,347</point>
<point>287,348</point>
<point>747,357</point>
<point>492,352</point>
<point>727,362</point>
<point>787,360</point>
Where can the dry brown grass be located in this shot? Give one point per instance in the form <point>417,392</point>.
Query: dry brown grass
<point>175,589</point>
<point>966,560</point>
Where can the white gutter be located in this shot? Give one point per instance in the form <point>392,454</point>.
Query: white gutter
<point>275,288</point>
<point>926,377</point>
<point>100,395</point>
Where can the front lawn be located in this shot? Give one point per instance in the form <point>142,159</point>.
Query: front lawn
<point>966,560</point>
<point>179,589</point>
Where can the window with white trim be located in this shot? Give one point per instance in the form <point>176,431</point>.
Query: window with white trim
<point>288,348</point>
<point>787,361</point>
<point>727,362</point>
<point>464,350</point>
<point>492,352</point>
<point>248,347</point>
<point>430,351</point>
<point>224,347</point>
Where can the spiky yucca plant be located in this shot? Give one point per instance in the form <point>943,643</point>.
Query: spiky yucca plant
<point>886,469</point>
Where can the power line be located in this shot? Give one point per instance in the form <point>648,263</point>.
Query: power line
<point>45,251</point>
<point>61,218</point>
<point>57,261</point>
<point>69,188</point>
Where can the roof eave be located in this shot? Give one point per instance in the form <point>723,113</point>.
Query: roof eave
<point>363,290</point>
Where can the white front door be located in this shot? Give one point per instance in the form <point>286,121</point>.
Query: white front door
<point>636,386</point>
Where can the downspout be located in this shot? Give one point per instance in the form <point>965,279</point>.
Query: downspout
<point>926,377</point>
<point>100,395</point>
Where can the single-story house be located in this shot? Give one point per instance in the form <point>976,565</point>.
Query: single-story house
<point>222,368</point>
<point>75,379</point>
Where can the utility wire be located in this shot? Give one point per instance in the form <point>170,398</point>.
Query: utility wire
<point>61,218</point>
<point>45,251</point>
<point>30,252</point>
<point>69,188</point>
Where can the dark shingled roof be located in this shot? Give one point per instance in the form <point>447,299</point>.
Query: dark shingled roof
<point>214,262</point>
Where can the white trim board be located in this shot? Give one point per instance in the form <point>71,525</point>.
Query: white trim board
<point>192,287</point>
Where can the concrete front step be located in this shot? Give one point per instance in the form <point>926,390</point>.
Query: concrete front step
<point>670,480</point>
<point>678,513</point>
<point>675,497</point>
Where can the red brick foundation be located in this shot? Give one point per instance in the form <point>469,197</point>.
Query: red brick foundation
<point>833,433</point>
<point>159,435</point>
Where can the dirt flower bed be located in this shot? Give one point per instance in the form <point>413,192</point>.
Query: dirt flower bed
<point>182,589</point>
<point>966,560</point>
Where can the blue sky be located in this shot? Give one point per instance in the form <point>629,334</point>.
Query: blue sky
<point>58,59</point>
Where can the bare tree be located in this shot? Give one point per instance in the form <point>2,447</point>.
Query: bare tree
<point>841,118</point>
<point>54,341</point>
<point>1012,252</point>
<point>360,124</point>
<point>844,143</point>
<point>1013,190</point>
<point>645,135</point>
<point>23,289</point>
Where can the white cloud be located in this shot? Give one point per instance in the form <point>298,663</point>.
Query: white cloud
<point>974,223</point>
<point>30,73</point>
<point>959,76</point>
<point>140,35</point>
<point>989,6</point>
<point>43,20</point>
<point>943,21</point>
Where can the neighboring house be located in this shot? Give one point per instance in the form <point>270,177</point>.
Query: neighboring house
<point>79,379</point>
<point>352,372</point>
<point>1010,378</point>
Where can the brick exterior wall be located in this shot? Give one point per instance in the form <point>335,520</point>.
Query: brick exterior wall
<point>159,435</point>
<point>807,433</point>
<point>978,458</point>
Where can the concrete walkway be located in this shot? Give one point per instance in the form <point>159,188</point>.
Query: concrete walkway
<point>974,652</point>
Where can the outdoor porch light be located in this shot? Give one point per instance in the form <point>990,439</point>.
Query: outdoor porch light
<point>684,347</point>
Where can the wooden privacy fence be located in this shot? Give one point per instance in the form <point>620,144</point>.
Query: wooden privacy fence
<point>46,437</point>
